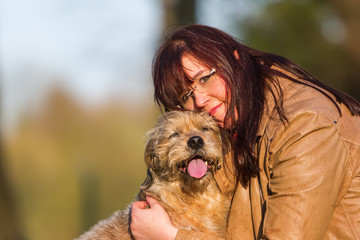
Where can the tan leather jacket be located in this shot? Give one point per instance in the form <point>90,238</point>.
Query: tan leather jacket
<point>309,181</point>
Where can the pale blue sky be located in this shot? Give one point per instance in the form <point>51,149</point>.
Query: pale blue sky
<point>95,49</point>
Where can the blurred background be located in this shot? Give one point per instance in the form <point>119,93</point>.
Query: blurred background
<point>76,93</point>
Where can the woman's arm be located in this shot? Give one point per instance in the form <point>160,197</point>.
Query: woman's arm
<point>307,163</point>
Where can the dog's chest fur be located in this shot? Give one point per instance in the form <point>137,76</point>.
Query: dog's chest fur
<point>204,211</point>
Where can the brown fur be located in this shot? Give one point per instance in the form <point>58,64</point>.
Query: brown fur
<point>191,203</point>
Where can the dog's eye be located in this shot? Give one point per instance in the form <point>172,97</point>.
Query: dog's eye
<point>205,129</point>
<point>175,134</point>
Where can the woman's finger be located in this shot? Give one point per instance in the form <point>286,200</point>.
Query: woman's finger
<point>139,204</point>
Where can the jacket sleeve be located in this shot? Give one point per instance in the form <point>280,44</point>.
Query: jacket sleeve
<point>307,161</point>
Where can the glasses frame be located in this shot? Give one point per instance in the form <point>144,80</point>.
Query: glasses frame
<point>190,93</point>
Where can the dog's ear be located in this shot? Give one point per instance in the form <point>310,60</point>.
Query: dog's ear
<point>151,159</point>
<point>147,182</point>
<point>150,146</point>
<point>227,140</point>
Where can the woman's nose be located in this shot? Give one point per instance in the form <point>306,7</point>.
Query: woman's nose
<point>201,99</point>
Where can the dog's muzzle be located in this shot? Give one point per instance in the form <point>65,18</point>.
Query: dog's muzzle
<point>196,166</point>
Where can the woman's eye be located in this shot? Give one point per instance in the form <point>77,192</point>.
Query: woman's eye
<point>205,129</point>
<point>204,79</point>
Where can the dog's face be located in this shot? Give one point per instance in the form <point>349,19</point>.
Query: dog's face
<point>185,146</point>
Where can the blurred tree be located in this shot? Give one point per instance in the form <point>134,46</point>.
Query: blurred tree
<point>72,166</point>
<point>310,33</point>
<point>10,227</point>
<point>64,120</point>
<point>178,12</point>
<point>349,12</point>
<point>10,224</point>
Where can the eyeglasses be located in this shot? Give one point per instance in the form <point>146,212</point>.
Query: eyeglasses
<point>203,85</point>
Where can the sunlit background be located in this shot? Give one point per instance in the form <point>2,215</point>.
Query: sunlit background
<point>76,93</point>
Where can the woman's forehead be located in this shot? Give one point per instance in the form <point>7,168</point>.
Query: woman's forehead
<point>192,67</point>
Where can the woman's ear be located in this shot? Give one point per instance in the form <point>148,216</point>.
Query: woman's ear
<point>236,54</point>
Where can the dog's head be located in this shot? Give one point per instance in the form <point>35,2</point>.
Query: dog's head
<point>185,146</point>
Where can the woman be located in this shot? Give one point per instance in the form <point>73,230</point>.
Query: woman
<point>296,150</point>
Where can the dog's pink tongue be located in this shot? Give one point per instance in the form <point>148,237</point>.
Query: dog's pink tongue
<point>197,168</point>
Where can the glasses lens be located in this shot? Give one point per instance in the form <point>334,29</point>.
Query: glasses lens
<point>203,85</point>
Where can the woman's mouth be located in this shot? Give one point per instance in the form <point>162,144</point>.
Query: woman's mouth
<point>214,109</point>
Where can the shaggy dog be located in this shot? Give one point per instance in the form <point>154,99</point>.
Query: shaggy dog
<point>182,152</point>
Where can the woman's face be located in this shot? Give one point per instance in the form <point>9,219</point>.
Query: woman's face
<point>207,97</point>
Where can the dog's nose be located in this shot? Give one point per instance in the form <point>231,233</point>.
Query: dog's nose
<point>195,142</point>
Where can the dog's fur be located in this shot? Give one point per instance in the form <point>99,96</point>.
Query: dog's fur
<point>192,203</point>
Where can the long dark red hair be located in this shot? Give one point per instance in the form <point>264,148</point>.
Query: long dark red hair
<point>247,79</point>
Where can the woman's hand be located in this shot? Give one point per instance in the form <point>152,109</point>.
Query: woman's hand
<point>151,223</point>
